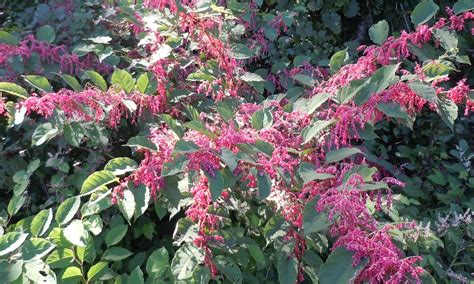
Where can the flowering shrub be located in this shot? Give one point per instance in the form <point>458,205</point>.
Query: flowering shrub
<point>204,156</point>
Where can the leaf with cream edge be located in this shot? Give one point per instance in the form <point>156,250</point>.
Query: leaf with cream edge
<point>13,89</point>
<point>120,166</point>
<point>97,181</point>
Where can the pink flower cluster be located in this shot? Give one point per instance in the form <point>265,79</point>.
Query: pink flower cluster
<point>94,105</point>
<point>48,54</point>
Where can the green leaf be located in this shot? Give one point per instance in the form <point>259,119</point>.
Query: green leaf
<point>447,38</point>
<point>185,260</point>
<point>308,173</point>
<point>310,105</point>
<point>71,81</point>
<point>312,130</point>
<point>60,258</point>
<point>304,80</point>
<point>251,77</point>
<point>183,146</point>
<point>200,77</point>
<point>73,133</point>
<point>200,127</point>
<point>10,271</point>
<point>67,210</point>
<point>254,80</point>
<point>240,51</point>
<point>264,184</point>
<point>157,263</point>
<point>39,82</point>
<point>6,38</point>
<point>201,275</point>
<point>348,92</point>
<point>100,203</point>
<point>394,110</point>
<point>97,270</point>
<point>229,268</point>
<point>458,8</point>
<point>123,79</point>
<point>120,166</point>
<point>438,68</point>
<point>338,155</point>
<point>287,269</point>
<point>11,241</point>
<point>97,79</point>
<point>93,224</point>
<point>116,254</point>
<point>177,165</point>
<point>127,204</point>
<point>96,181</point>
<point>332,20</point>
<point>33,166</point>
<point>147,83</point>
<point>216,184</point>
<point>136,276</point>
<point>448,111</point>
<point>314,221</point>
<point>141,196</point>
<point>225,110</point>
<point>261,119</point>
<point>41,222</point>
<point>76,234</point>
<point>141,142</point>
<point>115,235</point>
<point>36,248</point>
<point>338,268</point>
<point>257,254</point>
<point>379,32</point>
<point>171,190</point>
<point>374,186</point>
<point>364,171</point>
<point>425,91</point>
<point>13,89</point>
<point>15,204</point>
<point>379,81</point>
<point>46,33</point>
<point>338,59</point>
<point>423,12</point>
<point>43,133</point>
<point>264,147</point>
<point>71,272</point>
<point>229,158</point>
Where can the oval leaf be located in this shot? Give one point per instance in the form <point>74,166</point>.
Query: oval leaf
<point>120,166</point>
<point>13,89</point>
<point>123,79</point>
<point>115,235</point>
<point>76,234</point>
<point>11,241</point>
<point>41,222</point>
<point>97,270</point>
<point>97,79</point>
<point>341,154</point>
<point>378,33</point>
<point>338,268</point>
<point>423,12</point>
<point>96,181</point>
<point>67,210</point>
<point>46,33</point>
<point>39,82</point>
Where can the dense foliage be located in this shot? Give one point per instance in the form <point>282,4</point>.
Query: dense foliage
<point>163,141</point>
